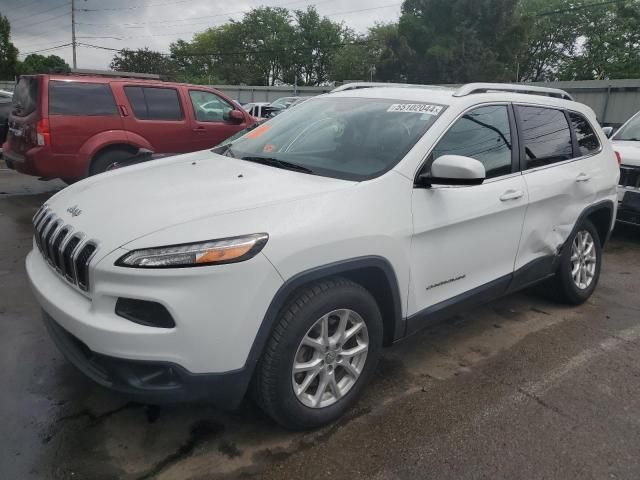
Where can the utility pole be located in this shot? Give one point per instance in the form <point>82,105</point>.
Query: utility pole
<point>73,31</point>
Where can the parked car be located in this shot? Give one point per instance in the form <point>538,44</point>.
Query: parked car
<point>283,103</point>
<point>288,258</point>
<point>5,109</point>
<point>626,143</point>
<point>258,109</point>
<point>72,126</point>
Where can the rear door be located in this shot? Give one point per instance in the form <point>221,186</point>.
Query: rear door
<point>25,113</point>
<point>560,164</point>
<point>156,113</point>
<point>78,110</point>
<point>210,122</point>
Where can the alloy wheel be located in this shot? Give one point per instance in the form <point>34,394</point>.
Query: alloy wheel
<point>583,260</point>
<point>330,358</point>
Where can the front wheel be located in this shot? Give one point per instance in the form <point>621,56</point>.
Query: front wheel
<point>580,265</point>
<point>321,355</point>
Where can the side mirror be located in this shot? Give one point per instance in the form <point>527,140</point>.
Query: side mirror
<point>236,116</point>
<point>608,131</point>
<point>453,170</point>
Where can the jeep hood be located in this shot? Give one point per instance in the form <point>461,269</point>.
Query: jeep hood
<point>629,151</point>
<point>117,207</point>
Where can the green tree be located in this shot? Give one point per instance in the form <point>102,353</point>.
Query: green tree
<point>8,51</point>
<point>35,63</point>
<point>143,60</point>
<point>455,41</point>
<point>608,42</point>
<point>316,42</point>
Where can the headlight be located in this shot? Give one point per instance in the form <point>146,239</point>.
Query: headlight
<point>212,252</point>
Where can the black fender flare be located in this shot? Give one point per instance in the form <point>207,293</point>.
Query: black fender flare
<point>342,268</point>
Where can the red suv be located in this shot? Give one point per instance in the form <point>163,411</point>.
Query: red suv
<point>71,126</point>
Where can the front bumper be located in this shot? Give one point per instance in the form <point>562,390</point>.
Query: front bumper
<point>218,311</point>
<point>150,382</point>
<point>628,206</point>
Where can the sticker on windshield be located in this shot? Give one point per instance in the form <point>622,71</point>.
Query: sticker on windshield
<point>415,108</point>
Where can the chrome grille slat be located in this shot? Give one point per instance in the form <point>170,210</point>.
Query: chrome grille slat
<point>67,251</point>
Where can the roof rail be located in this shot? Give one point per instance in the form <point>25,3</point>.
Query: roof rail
<point>361,85</point>
<point>111,73</point>
<point>472,88</point>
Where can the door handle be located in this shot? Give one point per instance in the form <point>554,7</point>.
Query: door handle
<point>511,195</point>
<point>123,111</point>
<point>200,130</point>
<point>583,177</point>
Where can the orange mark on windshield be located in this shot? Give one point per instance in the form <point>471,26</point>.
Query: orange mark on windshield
<point>261,130</point>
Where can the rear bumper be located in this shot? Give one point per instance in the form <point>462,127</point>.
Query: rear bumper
<point>628,206</point>
<point>34,162</point>
<point>149,382</point>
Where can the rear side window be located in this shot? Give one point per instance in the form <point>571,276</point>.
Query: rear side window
<point>154,103</point>
<point>585,136</point>
<point>483,134</point>
<point>25,96</point>
<point>81,98</point>
<point>545,135</point>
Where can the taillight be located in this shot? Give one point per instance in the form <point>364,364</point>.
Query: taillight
<point>43,133</point>
<point>618,158</point>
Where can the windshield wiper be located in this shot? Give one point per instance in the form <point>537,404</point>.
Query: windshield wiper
<point>274,162</point>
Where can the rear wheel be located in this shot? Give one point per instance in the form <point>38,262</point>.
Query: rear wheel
<point>320,356</point>
<point>109,160</point>
<point>580,266</point>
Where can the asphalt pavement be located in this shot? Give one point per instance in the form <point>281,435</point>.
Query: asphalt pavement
<point>519,388</point>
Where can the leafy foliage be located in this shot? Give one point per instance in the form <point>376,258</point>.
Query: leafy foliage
<point>142,60</point>
<point>8,51</point>
<point>35,63</point>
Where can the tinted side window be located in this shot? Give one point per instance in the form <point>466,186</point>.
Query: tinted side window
<point>76,98</point>
<point>154,103</point>
<point>546,136</point>
<point>586,137</point>
<point>483,134</point>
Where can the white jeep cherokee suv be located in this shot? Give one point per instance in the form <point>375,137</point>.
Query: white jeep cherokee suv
<point>288,258</point>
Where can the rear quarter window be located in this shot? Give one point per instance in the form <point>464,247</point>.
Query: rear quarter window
<point>585,136</point>
<point>81,98</point>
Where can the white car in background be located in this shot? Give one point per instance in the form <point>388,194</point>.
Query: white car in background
<point>288,258</point>
<point>258,109</point>
<point>626,143</point>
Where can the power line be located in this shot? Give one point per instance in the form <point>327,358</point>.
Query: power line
<point>38,14</point>
<point>238,52</point>
<point>66,14</point>
<point>47,49</point>
<point>224,14</point>
<point>579,7</point>
<point>135,7</point>
<point>191,32</point>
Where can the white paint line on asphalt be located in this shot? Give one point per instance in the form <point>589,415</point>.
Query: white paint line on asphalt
<point>548,381</point>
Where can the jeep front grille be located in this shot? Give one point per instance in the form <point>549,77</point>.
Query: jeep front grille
<point>629,176</point>
<point>67,251</point>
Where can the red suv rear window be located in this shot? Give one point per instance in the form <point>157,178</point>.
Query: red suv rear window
<point>25,96</point>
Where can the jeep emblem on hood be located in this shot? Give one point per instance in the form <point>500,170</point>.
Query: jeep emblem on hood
<point>74,211</point>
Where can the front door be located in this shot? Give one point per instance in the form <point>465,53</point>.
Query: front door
<point>466,237</point>
<point>210,122</point>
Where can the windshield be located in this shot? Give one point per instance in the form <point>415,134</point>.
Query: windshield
<point>631,131</point>
<point>348,138</point>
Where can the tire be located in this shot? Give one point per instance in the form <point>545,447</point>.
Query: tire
<point>302,317</point>
<point>564,284</point>
<point>108,160</point>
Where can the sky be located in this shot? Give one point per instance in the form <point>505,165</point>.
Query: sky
<point>40,25</point>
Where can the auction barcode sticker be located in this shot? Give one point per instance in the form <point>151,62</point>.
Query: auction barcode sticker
<point>415,108</point>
